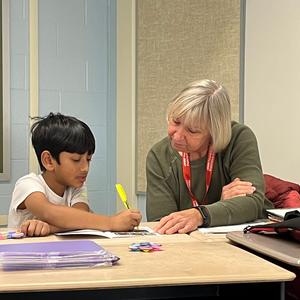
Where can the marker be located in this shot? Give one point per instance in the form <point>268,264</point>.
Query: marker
<point>15,235</point>
<point>122,194</point>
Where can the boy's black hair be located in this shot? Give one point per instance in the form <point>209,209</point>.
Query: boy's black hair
<point>58,133</point>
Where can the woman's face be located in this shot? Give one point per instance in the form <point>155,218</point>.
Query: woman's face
<point>186,139</point>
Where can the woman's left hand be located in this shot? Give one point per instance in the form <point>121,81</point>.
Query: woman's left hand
<point>180,222</point>
<point>237,188</point>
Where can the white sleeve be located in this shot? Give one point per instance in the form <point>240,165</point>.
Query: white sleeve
<point>80,195</point>
<point>23,188</point>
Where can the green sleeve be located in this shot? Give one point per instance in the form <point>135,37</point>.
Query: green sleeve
<point>161,186</point>
<point>241,159</point>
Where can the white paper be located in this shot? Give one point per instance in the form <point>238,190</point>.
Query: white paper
<point>230,228</point>
<point>142,231</point>
<point>280,212</point>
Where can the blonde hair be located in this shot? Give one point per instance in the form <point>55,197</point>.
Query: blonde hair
<point>204,104</point>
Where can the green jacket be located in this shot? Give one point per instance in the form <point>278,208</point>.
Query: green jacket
<point>167,191</point>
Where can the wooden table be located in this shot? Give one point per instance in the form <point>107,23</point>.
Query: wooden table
<point>209,237</point>
<point>185,268</point>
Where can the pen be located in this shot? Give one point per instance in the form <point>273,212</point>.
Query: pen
<point>122,194</point>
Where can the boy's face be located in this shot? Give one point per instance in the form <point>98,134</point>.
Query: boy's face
<point>73,168</point>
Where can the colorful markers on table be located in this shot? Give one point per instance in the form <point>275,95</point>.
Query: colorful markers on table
<point>145,247</point>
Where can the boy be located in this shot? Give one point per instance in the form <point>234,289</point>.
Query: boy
<point>56,200</point>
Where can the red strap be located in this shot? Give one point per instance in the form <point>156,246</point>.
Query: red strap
<point>186,170</point>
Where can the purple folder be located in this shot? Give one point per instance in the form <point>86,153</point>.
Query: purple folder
<point>61,247</point>
<point>58,254</point>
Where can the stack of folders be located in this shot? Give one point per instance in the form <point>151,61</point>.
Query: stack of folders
<point>52,255</point>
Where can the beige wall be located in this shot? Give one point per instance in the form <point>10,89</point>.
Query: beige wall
<point>177,42</point>
<point>272,78</point>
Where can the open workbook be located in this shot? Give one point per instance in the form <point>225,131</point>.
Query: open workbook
<point>141,231</point>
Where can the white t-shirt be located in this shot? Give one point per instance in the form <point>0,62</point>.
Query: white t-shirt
<point>30,183</point>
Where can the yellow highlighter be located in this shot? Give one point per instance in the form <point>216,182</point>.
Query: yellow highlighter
<point>122,194</point>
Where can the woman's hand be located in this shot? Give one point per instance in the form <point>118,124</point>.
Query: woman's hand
<point>180,222</point>
<point>237,188</point>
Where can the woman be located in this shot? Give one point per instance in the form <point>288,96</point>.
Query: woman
<point>207,172</point>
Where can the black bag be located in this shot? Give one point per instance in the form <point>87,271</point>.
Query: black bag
<point>289,227</point>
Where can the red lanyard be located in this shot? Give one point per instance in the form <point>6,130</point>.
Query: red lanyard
<point>186,169</point>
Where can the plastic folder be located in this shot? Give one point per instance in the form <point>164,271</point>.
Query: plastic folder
<point>51,255</point>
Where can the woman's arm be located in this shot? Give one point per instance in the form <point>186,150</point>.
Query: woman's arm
<point>160,188</point>
<point>241,160</point>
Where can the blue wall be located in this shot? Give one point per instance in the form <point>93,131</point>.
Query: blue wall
<point>76,77</point>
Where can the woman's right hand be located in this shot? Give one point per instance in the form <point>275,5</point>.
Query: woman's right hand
<point>126,220</point>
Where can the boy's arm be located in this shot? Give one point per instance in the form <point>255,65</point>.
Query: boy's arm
<point>35,227</point>
<point>69,218</point>
<point>82,206</point>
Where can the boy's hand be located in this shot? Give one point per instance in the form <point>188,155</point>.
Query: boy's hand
<point>35,228</point>
<point>126,220</point>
